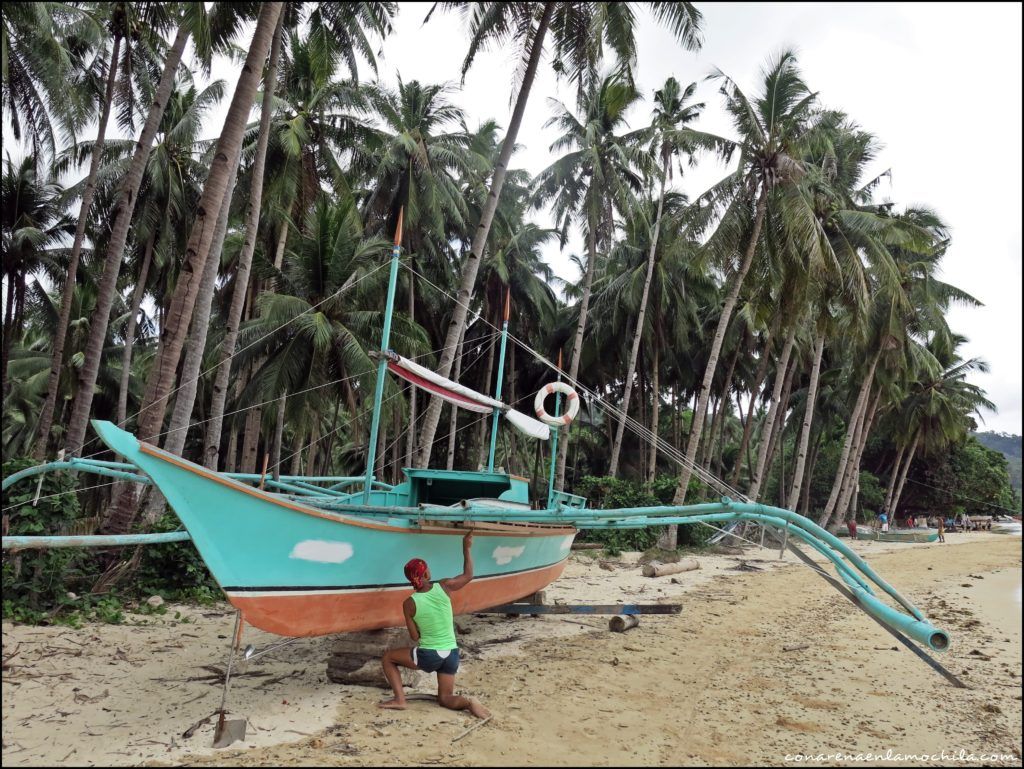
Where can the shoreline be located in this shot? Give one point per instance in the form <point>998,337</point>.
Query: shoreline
<point>709,686</point>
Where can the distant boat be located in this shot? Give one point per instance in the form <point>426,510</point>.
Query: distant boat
<point>898,535</point>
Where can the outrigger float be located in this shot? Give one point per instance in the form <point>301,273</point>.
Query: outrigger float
<point>311,555</point>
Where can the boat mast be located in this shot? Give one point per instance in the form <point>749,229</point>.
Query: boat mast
<point>554,439</point>
<point>501,374</point>
<point>382,364</point>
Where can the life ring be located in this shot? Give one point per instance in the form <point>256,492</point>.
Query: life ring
<point>572,400</point>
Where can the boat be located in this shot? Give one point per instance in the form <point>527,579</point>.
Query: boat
<point>898,535</point>
<point>301,569</point>
<point>303,556</point>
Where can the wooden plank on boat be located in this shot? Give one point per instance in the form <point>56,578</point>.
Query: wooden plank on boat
<point>614,608</point>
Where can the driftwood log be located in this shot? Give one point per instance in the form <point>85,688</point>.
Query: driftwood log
<point>355,658</point>
<point>620,623</point>
<point>663,569</point>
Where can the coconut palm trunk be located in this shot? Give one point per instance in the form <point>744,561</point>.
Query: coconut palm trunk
<point>472,265</point>
<point>275,455</point>
<point>454,418</point>
<point>127,197</point>
<point>853,476</point>
<point>652,464</point>
<point>191,368</point>
<point>893,477</point>
<point>129,336</point>
<point>844,457</point>
<point>57,355</point>
<point>903,477</point>
<point>748,425</point>
<point>177,430</point>
<point>179,314</point>
<point>805,431</point>
<point>634,352</point>
<point>768,430</point>
<point>577,346</point>
<point>211,443</point>
<point>697,424</point>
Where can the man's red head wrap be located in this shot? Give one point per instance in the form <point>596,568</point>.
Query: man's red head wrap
<point>416,572</point>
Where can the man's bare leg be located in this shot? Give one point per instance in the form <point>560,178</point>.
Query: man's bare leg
<point>391,661</point>
<point>447,698</point>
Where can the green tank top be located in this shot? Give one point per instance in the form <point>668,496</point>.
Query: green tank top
<point>434,619</point>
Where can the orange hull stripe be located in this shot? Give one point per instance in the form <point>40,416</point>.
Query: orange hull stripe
<point>325,613</point>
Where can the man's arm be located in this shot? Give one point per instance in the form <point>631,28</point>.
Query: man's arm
<point>409,610</point>
<point>459,582</point>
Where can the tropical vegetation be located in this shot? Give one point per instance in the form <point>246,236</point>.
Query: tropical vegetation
<point>787,329</point>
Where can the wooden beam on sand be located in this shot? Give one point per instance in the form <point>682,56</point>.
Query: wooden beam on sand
<point>614,608</point>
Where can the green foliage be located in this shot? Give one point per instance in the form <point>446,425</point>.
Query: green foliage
<point>35,581</point>
<point>175,571</point>
<point>872,494</point>
<point>1010,447</point>
<point>40,585</point>
<point>608,492</point>
<point>968,478</point>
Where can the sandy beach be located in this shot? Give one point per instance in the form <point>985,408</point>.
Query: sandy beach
<point>713,685</point>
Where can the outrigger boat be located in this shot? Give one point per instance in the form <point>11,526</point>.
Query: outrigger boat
<point>897,535</point>
<point>305,556</point>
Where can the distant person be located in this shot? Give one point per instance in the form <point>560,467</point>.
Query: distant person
<point>428,616</point>
<point>942,529</point>
<point>910,522</point>
<point>883,519</point>
<point>851,526</point>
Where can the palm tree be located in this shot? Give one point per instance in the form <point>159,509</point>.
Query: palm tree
<point>326,291</point>
<point>580,31</point>
<point>125,22</point>
<point>176,323</point>
<point>671,112</point>
<point>37,66</point>
<point>34,224</point>
<point>192,18</point>
<point>770,129</point>
<point>225,158</point>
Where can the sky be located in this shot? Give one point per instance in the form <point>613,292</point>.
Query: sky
<point>938,84</point>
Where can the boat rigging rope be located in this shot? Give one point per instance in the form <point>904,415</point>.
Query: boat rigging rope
<point>346,287</point>
<point>708,478</point>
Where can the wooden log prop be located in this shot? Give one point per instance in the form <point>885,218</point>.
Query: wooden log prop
<point>612,608</point>
<point>655,569</point>
<point>587,546</point>
<point>623,622</point>
<point>355,658</point>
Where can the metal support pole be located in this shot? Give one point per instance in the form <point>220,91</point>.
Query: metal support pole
<point>382,365</point>
<point>497,388</point>
<point>785,541</point>
<point>226,733</point>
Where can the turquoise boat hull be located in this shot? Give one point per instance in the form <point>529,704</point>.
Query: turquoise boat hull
<point>297,570</point>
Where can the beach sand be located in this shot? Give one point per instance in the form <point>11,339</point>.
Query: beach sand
<point>710,686</point>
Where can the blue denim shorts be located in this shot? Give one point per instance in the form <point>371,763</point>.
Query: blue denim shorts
<point>432,661</point>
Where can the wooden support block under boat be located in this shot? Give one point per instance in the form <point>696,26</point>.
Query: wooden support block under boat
<point>355,658</point>
<point>623,622</point>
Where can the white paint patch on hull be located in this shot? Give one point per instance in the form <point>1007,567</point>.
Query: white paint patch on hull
<point>504,555</point>
<point>322,551</point>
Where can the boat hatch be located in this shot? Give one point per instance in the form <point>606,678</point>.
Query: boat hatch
<point>449,487</point>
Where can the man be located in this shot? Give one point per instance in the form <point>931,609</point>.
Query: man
<point>942,528</point>
<point>883,519</point>
<point>428,616</point>
<point>851,527</point>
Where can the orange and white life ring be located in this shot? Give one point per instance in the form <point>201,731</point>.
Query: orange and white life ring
<point>572,404</point>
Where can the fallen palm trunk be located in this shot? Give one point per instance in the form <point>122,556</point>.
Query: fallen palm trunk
<point>664,569</point>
